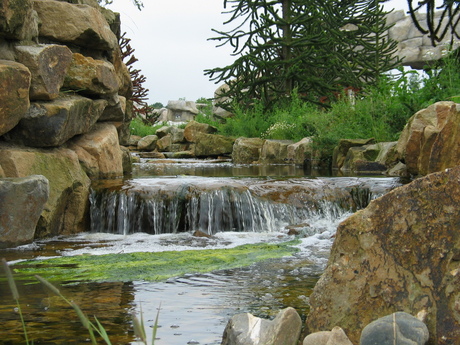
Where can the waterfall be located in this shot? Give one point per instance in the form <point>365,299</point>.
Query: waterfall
<point>172,205</point>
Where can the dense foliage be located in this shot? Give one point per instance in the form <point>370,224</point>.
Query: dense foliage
<point>314,47</point>
<point>380,113</point>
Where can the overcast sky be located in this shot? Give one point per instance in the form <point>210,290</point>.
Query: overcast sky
<point>170,39</point>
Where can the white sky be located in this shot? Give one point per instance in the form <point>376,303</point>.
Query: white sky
<point>170,39</point>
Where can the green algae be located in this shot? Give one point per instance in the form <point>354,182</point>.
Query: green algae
<point>155,266</point>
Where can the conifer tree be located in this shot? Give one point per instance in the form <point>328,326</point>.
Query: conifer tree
<point>315,47</point>
<point>440,19</point>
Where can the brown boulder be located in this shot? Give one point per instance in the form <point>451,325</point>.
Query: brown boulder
<point>401,253</point>
<point>430,141</point>
<point>67,206</point>
<point>18,21</point>
<point>48,65</point>
<point>91,77</point>
<point>246,150</point>
<point>212,145</point>
<point>99,152</point>
<point>14,94</point>
<point>81,25</point>
<point>193,128</point>
<point>275,152</point>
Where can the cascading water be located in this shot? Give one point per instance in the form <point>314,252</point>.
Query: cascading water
<point>156,210</point>
<point>183,204</point>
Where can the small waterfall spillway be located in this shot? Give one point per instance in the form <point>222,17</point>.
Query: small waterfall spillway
<point>183,203</point>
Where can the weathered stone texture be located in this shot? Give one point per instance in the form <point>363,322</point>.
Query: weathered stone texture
<point>14,94</point>
<point>401,253</point>
<point>91,77</point>
<point>246,329</point>
<point>99,152</point>
<point>49,124</point>
<point>275,151</point>
<point>81,25</point>
<point>21,202</point>
<point>67,206</point>
<point>246,150</point>
<point>48,65</point>
<point>18,21</point>
<point>430,141</point>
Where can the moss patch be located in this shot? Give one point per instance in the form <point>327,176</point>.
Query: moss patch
<point>150,266</point>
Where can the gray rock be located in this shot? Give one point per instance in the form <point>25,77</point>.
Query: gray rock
<point>182,105</point>
<point>21,202</point>
<point>49,124</point>
<point>246,150</point>
<point>147,143</point>
<point>275,152</point>
<point>246,329</point>
<point>336,336</point>
<point>396,329</point>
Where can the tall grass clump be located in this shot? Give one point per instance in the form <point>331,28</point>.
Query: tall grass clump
<point>378,112</point>
<point>139,128</point>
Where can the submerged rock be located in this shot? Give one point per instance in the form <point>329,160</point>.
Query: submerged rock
<point>399,253</point>
<point>246,329</point>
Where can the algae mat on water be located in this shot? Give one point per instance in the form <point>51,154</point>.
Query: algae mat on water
<point>150,266</point>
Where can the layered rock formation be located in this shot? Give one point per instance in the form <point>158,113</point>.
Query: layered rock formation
<point>61,75</point>
<point>401,253</point>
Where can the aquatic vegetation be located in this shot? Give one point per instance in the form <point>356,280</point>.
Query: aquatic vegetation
<point>150,266</point>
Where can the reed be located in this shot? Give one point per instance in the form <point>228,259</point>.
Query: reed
<point>93,328</point>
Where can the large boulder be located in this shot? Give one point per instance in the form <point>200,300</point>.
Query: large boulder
<point>341,150</point>
<point>18,20</point>
<point>21,202</point>
<point>147,143</point>
<point>80,25</point>
<point>14,94</point>
<point>246,329</point>
<point>275,152</point>
<point>67,206</point>
<point>99,152</point>
<point>300,152</point>
<point>48,65</point>
<point>246,150</point>
<point>91,77</point>
<point>194,128</point>
<point>207,145</point>
<point>368,158</point>
<point>48,124</point>
<point>401,253</point>
<point>430,141</point>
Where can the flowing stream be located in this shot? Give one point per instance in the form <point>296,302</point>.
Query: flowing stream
<point>158,209</point>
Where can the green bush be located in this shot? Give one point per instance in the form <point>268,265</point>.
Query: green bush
<point>137,127</point>
<point>379,112</point>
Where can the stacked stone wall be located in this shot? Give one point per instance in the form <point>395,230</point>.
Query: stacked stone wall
<point>64,103</point>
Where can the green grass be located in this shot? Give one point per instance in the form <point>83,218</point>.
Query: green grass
<point>137,127</point>
<point>149,266</point>
<point>379,112</point>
